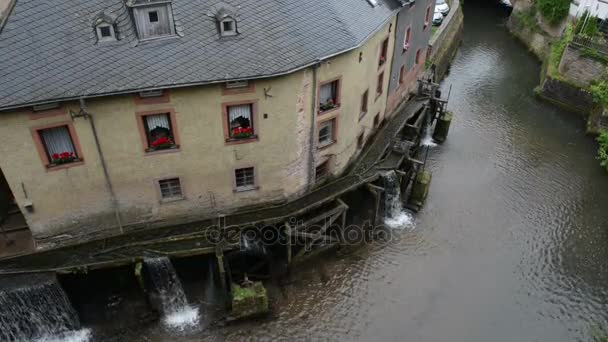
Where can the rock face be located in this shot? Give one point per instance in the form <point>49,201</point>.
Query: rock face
<point>249,301</point>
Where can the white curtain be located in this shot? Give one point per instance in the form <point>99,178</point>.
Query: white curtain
<point>327,92</point>
<point>234,112</point>
<point>160,120</point>
<point>57,140</point>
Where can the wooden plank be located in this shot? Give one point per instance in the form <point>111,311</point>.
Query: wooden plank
<point>288,232</point>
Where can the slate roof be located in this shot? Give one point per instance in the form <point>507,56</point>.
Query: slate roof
<point>49,50</point>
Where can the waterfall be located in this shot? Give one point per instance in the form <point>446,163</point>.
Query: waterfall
<point>427,140</point>
<point>395,214</point>
<point>251,244</point>
<point>35,308</point>
<point>177,313</point>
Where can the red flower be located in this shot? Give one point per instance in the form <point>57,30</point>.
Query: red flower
<point>161,141</point>
<point>55,156</point>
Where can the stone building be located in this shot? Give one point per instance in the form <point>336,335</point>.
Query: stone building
<point>126,114</point>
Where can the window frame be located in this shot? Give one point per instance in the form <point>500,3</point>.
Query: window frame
<point>427,17</point>
<point>417,59</point>
<point>383,52</point>
<point>326,166</point>
<point>364,104</point>
<point>228,33</point>
<point>334,135</point>
<point>141,15</point>
<point>361,140</point>
<point>254,122</point>
<point>402,75</point>
<point>100,37</point>
<point>252,187</point>
<point>337,96</point>
<point>250,88</point>
<point>169,199</point>
<point>380,85</point>
<point>165,97</point>
<point>140,116</point>
<point>43,153</point>
<point>376,122</point>
<point>407,38</point>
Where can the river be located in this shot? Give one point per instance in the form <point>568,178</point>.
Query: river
<point>512,244</point>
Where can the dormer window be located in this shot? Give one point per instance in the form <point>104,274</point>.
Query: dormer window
<point>105,32</point>
<point>228,27</point>
<point>153,21</point>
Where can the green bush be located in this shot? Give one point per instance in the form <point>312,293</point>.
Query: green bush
<point>554,11</point>
<point>600,92</point>
<point>587,26</point>
<point>602,150</point>
<point>527,18</point>
<point>557,51</point>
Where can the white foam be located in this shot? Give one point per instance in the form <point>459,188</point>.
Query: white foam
<point>182,319</point>
<point>400,220</point>
<point>82,335</point>
<point>428,141</point>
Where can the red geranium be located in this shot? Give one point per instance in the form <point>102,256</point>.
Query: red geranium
<point>161,142</point>
<point>242,132</point>
<point>63,157</point>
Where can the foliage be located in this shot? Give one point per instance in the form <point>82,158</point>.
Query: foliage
<point>599,91</point>
<point>557,51</point>
<point>594,54</point>
<point>587,26</point>
<point>554,11</point>
<point>602,156</point>
<point>527,18</point>
<point>599,334</point>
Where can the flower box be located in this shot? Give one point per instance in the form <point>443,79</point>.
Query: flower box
<point>63,158</point>
<point>162,143</point>
<point>330,104</point>
<point>242,133</point>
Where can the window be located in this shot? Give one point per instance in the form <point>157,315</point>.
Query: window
<point>377,120</point>
<point>406,42</point>
<point>170,189</point>
<point>383,53</point>
<point>418,56</point>
<point>427,17</point>
<point>244,179</point>
<point>159,132</point>
<point>154,21</point>
<point>322,171</point>
<point>237,84</point>
<point>327,133</point>
<point>40,108</point>
<point>105,32</point>
<point>150,93</point>
<point>58,145</point>
<point>240,121</point>
<point>364,101</point>
<point>329,96</point>
<point>402,74</point>
<point>380,85</point>
<point>360,140</point>
<point>228,27</point>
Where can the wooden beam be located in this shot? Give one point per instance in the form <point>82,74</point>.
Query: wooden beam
<point>288,232</point>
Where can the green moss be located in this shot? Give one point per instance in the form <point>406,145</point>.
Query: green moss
<point>554,11</point>
<point>249,301</point>
<point>557,51</point>
<point>602,150</point>
<point>527,19</point>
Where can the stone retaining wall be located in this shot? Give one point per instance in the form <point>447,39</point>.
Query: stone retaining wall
<point>444,43</point>
<point>582,70</point>
<point>566,95</point>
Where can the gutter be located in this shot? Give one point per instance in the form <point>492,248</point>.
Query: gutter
<point>185,85</point>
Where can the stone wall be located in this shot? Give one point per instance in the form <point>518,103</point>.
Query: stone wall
<point>445,42</point>
<point>579,69</point>
<point>537,41</point>
<point>566,95</point>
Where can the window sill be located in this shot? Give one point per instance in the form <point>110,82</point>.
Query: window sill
<point>362,115</point>
<point>246,189</point>
<point>233,141</point>
<point>172,199</point>
<point>175,148</point>
<point>326,145</point>
<point>323,112</point>
<point>54,167</point>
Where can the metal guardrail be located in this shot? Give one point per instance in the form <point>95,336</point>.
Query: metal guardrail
<point>589,43</point>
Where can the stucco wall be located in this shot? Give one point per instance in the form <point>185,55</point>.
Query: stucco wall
<point>582,70</point>
<point>409,17</point>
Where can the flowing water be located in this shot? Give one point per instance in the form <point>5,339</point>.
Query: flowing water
<point>512,244</point>
<point>177,313</point>
<point>37,309</point>
<point>395,215</point>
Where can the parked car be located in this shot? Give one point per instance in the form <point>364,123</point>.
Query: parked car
<point>437,18</point>
<point>442,7</point>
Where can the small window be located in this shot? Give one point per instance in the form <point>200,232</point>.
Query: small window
<point>427,17</point>
<point>360,140</point>
<point>58,145</point>
<point>364,101</point>
<point>402,74</point>
<point>380,85</point>
<point>228,27</point>
<point>240,121</point>
<point>170,189</point>
<point>244,179</point>
<point>153,16</point>
<point>329,96</point>
<point>159,132</point>
<point>150,93</point>
<point>377,120</point>
<point>105,32</point>
<point>322,171</point>
<point>327,133</point>
<point>418,56</point>
<point>406,42</point>
<point>237,84</point>
<point>383,53</point>
<point>48,106</point>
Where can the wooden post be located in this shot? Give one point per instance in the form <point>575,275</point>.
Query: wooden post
<point>288,233</point>
<point>219,254</point>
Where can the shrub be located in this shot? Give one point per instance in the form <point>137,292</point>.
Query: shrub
<point>557,51</point>
<point>554,11</point>
<point>587,26</point>
<point>600,92</point>
<point>602,150</point>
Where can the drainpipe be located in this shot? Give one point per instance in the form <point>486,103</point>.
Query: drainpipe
<point>313,117</point>
<point>87,115</point>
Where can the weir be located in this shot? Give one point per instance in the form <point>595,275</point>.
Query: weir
<point>395,215</point>
<point>169,296</point>
<point>35,308</point>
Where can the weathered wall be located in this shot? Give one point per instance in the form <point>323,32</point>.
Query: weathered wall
<point>582,70</point>
<point>537,42</point>
<point>566,95</point>
<point>412,17</point>
<point>444,44</point>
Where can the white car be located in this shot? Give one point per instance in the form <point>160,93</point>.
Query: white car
<point>442,7</point>
<point>437,18</point>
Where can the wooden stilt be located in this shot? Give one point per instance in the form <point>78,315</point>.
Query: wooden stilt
<point>288,233</point>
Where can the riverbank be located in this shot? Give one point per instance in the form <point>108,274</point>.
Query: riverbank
<point>446,39</point>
